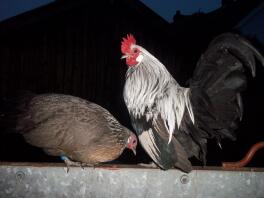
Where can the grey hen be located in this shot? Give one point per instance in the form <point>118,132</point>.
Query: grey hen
<point>71,127</point>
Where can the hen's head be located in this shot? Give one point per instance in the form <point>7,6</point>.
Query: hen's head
<point>131,51</point>
<point>132,142</point>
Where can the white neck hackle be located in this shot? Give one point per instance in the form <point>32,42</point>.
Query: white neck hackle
<point>150,90</point>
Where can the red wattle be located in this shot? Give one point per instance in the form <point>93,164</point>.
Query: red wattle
<point>131,62</point>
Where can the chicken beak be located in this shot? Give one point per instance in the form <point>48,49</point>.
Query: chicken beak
<point>124,56</point>
<point>134,151</point>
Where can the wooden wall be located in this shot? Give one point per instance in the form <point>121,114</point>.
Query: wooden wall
<point>77,50</point>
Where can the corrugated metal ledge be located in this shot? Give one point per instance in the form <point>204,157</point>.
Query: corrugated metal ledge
<point>51,180</point>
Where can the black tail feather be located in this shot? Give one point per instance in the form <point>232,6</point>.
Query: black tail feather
<point>219,79</point>
<point>221,74</point>
<point>10,109</point>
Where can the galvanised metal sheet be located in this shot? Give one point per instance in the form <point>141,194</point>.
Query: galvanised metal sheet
<point>51,180</point>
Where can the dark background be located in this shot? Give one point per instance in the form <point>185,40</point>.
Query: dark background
<point>73,47</point>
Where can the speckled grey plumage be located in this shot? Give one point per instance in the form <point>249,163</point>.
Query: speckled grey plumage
<point>70,126</point>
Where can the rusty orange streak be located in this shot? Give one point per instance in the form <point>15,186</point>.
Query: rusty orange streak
<point>243,162</point>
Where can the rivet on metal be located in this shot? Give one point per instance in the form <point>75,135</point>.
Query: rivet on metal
<point>20,175</point>
<point>184,179</point>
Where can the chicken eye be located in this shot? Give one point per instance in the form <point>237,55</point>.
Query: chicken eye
<point>135,50</point>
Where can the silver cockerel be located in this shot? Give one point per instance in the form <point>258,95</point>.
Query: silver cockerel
<point>173,123</point>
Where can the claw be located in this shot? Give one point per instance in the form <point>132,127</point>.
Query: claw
<point>69,163</point>
<point>149,165</point>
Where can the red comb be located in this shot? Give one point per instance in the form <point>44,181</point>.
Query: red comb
<point>127,42</point>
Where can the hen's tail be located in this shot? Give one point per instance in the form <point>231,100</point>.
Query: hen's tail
<point>11,108</point>
<point>220,74</point>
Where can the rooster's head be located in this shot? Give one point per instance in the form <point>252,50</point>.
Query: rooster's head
<point>131,51</point>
